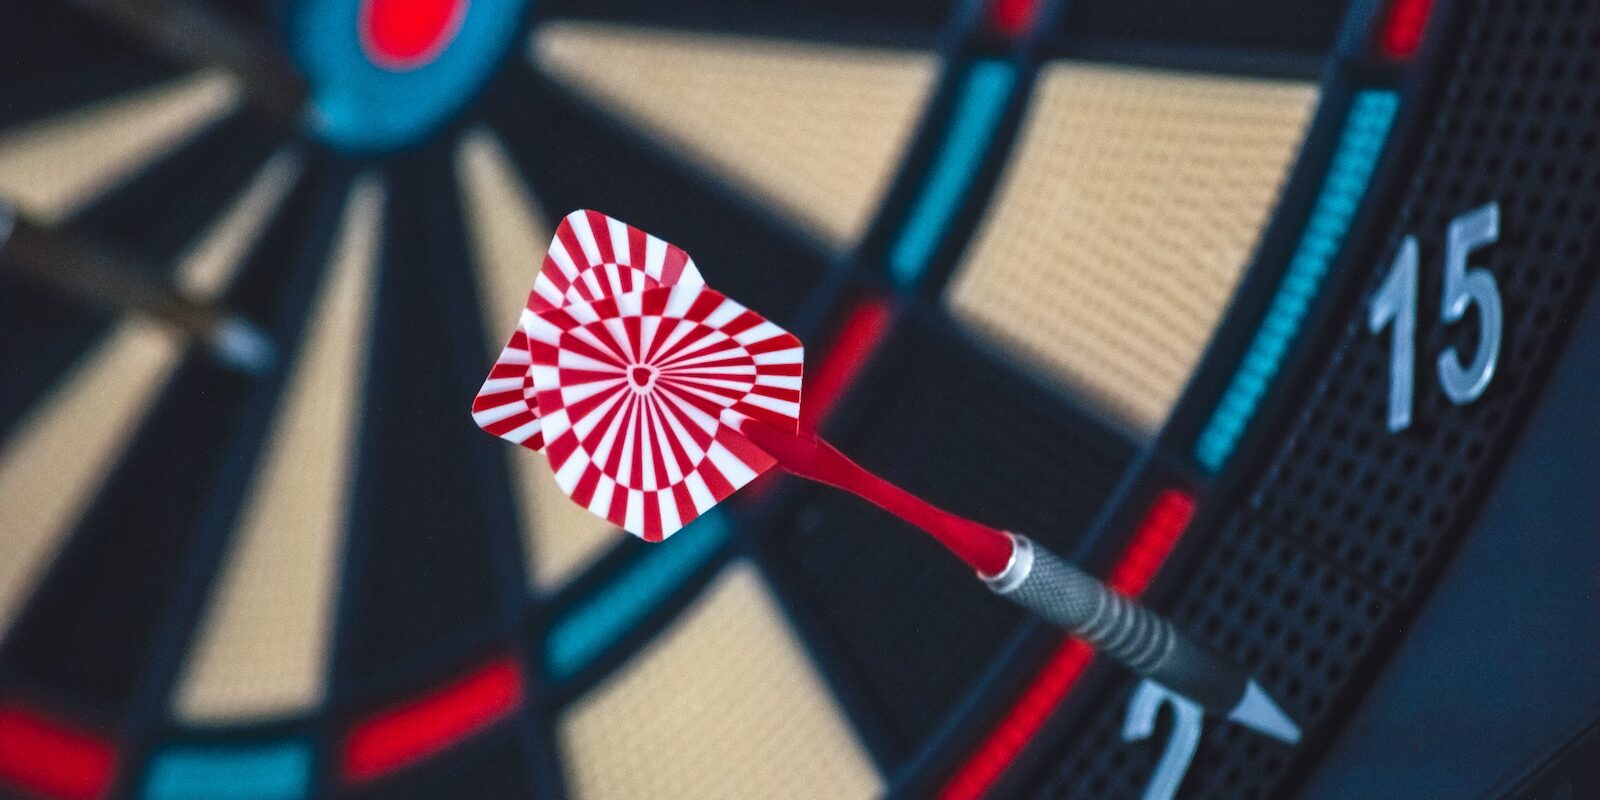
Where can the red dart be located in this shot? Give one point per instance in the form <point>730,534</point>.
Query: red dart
<point>655,400</point>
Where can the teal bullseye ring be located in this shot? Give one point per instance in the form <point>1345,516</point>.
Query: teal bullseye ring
<point>360,105</point>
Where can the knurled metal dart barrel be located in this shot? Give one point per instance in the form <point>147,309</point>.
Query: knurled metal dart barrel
<point>1137,637</point>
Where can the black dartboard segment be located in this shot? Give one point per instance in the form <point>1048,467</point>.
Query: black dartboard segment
<point>1306,28</point>
<point>424,538</point>
<point>60,57</point>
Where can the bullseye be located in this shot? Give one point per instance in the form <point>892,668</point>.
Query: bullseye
<point>642,377</point>
<point>406,34</point>
<point>385,74</point>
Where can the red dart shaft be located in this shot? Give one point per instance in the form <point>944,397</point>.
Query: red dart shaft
<point>985,549</point>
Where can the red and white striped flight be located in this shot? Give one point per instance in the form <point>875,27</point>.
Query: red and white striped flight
<point>643,396</point>
<point>591,256</point>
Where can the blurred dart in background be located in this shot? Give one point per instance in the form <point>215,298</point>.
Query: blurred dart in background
<point>96,277</point>
<point>655,398</point>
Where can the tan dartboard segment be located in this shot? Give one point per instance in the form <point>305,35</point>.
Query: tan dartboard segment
<point>815,129</point>
<point>725,704</point>
<point>1122,224</point>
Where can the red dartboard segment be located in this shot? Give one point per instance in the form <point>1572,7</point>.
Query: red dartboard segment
<point>591,256</point>
<point>643,396</point>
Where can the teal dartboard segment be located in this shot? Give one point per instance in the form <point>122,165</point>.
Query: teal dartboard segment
<point>978,109</point>
<point>598,621</point>
<point>1361,143</point>
<point>276,771</point>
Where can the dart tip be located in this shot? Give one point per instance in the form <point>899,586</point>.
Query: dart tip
<point>242,346</point>
<point>1259,712</point>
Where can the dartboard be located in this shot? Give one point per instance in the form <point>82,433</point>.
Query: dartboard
<point>1278,317</point>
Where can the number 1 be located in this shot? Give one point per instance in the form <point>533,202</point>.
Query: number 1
<point>1397,300</point>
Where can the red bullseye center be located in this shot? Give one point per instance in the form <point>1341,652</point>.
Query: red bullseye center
<point>406,34</point>
<point>642,376</point>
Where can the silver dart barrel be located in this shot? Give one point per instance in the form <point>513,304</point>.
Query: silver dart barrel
<point>1137,637</point>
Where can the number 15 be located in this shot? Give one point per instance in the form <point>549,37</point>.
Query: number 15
<point>1396,301</point>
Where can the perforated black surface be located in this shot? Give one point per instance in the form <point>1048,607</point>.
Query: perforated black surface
<point>1311,579</point>
<point>1299,625</point>
<point>1518,127</point>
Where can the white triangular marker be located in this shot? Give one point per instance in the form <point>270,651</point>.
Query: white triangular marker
<point>1257,711</point>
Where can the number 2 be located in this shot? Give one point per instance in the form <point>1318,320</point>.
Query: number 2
<point>1396,301</point>
<point>1181,744</point>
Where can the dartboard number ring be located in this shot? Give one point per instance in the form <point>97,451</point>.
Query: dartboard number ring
<point>1464,286</point>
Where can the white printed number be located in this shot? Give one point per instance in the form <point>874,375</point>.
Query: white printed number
<point>1181,744</point>
<point>1464,286</point>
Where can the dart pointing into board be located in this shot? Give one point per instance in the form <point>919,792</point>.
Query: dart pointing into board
<point>656,397</point>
